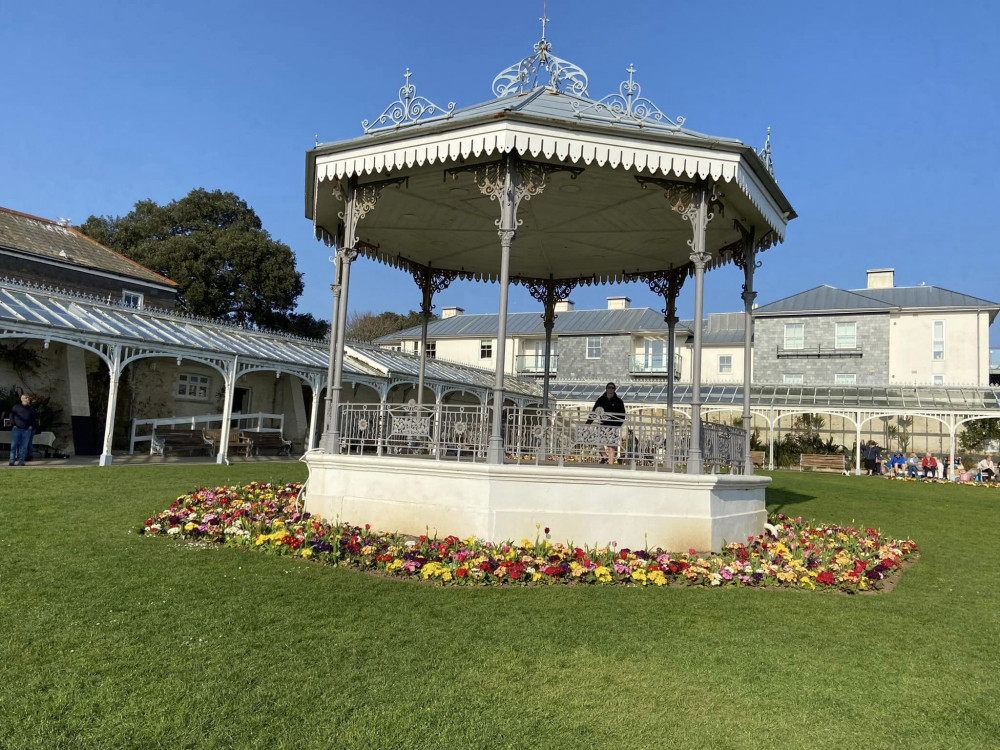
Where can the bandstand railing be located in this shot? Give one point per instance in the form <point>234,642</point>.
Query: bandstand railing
<point>566,436</point>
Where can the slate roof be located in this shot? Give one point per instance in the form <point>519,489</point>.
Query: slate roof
<point>32,235</point>
<point>718,329</point>
<point>828,299</point>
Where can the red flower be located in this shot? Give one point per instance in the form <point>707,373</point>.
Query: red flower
<point>461,573</point>
<point>485,566</point>
<point>552,570</point>
<point>825,577</point>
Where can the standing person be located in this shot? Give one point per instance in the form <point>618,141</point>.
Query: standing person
<point>869,457</point>
<point>613,416</point>
<point>877,457</point>
<point>25,421</point>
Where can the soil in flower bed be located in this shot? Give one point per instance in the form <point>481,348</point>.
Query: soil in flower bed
<point>791,554</point>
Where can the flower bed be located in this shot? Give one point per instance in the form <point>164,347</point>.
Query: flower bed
<point>792,553</point>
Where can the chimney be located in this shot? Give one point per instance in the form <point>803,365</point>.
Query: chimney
<point>619,303</point>
<point>564,305</point>
<point>881,278</point>
<point>451,312</point>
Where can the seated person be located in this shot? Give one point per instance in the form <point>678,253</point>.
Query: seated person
<point>913,466</point>
<point>897,464</point>
<point>961,473</point>
<point>928,467</point>
<point>987,469</point>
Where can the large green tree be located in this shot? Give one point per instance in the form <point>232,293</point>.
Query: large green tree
<point>368,326</point>
<point>226,265</point>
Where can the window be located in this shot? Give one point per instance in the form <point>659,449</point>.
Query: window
<point>793,379</point>
<point>655,359</point>
<point>848,378</point>
<point>486,349</point>
<point>795,335</point>
<point>193,387</point>
<point>847,335</point>
<point>432,349</point>
<point>593,347</point>
<point>939,380</point>
<point>938,347</point>
<point>132,299</point>
<point>725,363</point>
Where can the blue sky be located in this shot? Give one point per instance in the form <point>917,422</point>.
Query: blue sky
<point>883,116</point>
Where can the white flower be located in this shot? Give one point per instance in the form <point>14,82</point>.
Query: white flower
<point>175,530</point>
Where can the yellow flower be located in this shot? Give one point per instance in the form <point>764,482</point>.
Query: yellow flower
<point>307,551</point>
<point>394,565</point>
<point>188,526</point>
<point>657,577</point>
<point>807,581</point>
<point>639,575</point>
<point>535,576</point>
<point>603,574</point>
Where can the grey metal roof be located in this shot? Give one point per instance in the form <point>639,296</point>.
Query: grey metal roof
<point>830,299</point>
<point>794,396</point>
<point>716,329</point>
<point>405,363</point>
<point>32,235</point>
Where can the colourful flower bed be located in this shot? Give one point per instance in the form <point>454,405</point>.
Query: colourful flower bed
<point>792,553</point>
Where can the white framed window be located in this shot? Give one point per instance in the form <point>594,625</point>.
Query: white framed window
<point>654,355</point>
<point>939,380</point>
<point>193,387</point>
<point>486,349</point>
<point>938,345</point>
<point>432,349</point>
<point>845,378</point>
<point>847,335</point>
<point>795,335</point>
<point>593,347</point>
<point>725,364</point>
<point>792,378</point>
<point>132,299</point>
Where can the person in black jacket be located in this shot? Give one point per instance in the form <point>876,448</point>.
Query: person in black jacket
<point>25,419</point>
<point>613,416</point>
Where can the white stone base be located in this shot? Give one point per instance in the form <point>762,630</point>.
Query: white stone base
<point>584,505</point>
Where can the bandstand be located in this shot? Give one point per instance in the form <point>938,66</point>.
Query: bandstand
<point>547,187</point>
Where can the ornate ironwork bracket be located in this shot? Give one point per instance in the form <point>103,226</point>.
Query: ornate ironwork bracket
<point>548,292</point>
<point>529,179</point>
<point>628,104</point>
<point>668,285</point>
<point>431,281</point>
<point>407,109</point>
<point>361,199</point>
<point>686,199</point>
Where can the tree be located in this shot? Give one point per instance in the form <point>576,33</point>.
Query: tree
<point>368,326</point>
<point>978,433</point>
<point>214,246</point>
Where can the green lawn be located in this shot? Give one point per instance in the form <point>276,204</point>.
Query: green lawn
<point>111,640</point>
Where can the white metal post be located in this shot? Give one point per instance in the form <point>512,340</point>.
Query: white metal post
<point>227,411</point>
<point>115,371</point>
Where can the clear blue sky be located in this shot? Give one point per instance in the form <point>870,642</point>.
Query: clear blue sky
<point>883,115</point>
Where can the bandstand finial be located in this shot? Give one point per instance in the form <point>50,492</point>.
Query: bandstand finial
<point>522,76</point>
<point>544,19</point>
<point>765,153</point>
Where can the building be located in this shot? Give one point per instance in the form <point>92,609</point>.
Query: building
<point>618,343</point>
<point>882,335</point>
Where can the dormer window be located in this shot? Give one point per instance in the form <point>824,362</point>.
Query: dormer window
<point>132,299</point>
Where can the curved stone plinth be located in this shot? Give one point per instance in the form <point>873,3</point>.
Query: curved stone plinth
<point>585,505</point>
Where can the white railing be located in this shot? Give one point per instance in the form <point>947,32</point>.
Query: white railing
<point>258,421</point>
<point>646,438</point>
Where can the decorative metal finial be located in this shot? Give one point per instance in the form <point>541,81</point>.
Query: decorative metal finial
<point>407,109</point>
<point>523,76</point>
<point>629,103</point>
<point>316,137</point>
<point>765,153</point>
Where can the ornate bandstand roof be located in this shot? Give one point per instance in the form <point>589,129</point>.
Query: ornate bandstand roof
<point>593,177</point>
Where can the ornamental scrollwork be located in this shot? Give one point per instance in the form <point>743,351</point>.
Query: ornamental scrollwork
<point>524,76</point>
<point>629,104</point>
<point>407,109</point>
<point>548,292</point>
<point>431,281</point>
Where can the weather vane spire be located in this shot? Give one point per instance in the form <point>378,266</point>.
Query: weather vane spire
<point>544,19</point>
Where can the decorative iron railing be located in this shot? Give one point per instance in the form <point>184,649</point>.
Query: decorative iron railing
<point>645,439</point>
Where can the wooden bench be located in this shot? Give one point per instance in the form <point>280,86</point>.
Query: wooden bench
<point>268,441</point>
<point>822,462</point>
<point>758,459</point>
<point>237,442</point>
<point>178,440</point>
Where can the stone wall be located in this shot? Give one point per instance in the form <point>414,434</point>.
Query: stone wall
<point>611,365</point>
<point>872,368</point>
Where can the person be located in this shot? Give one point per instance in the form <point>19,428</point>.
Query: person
<point>897,464</point>
<point>987,469</point>
<point>25,421</point>
<point>928,467</point>
<point>913,466</point>
<point>961,473</point>
<point>871,456</point>
<point>613,416</point>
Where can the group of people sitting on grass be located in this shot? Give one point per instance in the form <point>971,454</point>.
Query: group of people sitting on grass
<point>929,467</point>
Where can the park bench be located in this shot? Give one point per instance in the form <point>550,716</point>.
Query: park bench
<point>821,462</point>
<point>164,440</point>
<point>268,441</point>
<point>237,442</point>
<point>758,459</point>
